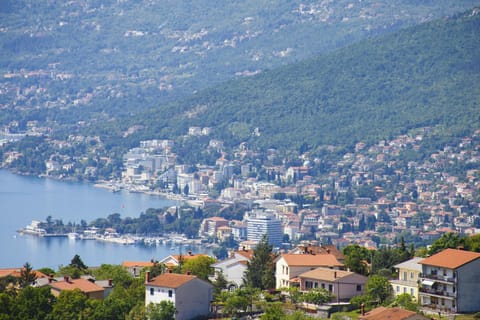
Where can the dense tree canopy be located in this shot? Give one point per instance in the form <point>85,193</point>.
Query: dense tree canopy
<point>261,267</point>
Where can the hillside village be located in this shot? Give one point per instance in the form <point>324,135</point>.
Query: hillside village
<point>371,196</point>
<point>311,282</point>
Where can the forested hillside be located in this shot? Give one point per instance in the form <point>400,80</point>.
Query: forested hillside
<point>422,76</point>
<point>102,58</point>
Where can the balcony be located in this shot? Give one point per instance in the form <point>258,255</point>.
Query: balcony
<point>434,308</point>
<point>439,293</point>
<point>438,277</point>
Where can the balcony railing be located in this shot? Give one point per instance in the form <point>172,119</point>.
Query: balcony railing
<point>438,292</point>
<point>438,277</point>
<point>436,307</point>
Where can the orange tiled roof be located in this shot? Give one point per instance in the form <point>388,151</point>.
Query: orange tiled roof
<point>171,280</point>
<point>319,260</point>
<point>16,272</point>
<point>246,253</point>
<point>382,313</point>
<point>83,284</point>
<point>143,264</point>
<point>451,258</point>
<point>326,274</point>
<point>216,219</point>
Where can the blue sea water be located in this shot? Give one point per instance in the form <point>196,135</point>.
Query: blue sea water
<point>23,199</point>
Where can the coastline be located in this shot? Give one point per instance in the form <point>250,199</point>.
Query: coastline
<point>117,187</point>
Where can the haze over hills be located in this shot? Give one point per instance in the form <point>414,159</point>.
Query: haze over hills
<point>110,57</point>
<point>422,76</point>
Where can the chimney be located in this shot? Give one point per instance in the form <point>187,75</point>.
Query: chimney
<point>110,283</point>
<point>147,276</point>
<point>65,278</point>
<point>50,278</point>
<point>362,308</point>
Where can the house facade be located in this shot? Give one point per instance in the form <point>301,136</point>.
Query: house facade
<point>190,295</point>
<point>233,268</point>
<point>135,267</point>
<point>344,285</point>
<point>290,266</point>
<point>450,281</point>
<point>408,278</point>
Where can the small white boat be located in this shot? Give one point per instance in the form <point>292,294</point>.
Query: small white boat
<point>73,236</point>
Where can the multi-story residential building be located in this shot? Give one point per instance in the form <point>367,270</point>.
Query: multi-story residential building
<point>262,224</point>
<point>408,275</point>
<point>450,281</point>
<point>289,266</point>
<point>209,226</point>
<point>190,295</point>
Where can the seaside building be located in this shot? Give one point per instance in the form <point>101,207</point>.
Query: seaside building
<point>261,224</point>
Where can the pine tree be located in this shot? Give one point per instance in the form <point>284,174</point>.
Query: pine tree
<point>260,271</point>
<point>27,275</point>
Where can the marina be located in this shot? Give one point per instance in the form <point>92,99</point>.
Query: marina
<point>110,235</point>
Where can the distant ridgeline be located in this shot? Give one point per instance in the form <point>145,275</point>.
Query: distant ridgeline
<point>424,76</point>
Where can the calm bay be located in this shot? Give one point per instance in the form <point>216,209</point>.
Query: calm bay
<point>24,198</point>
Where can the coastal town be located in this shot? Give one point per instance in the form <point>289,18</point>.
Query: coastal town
<point>379,197</point>
<point>371,196</point>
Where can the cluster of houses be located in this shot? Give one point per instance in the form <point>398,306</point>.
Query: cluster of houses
<point>422,198</point>
<point>445,282</point>
<point>425,201</point>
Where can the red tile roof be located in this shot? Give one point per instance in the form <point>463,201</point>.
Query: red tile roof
<point>245,253</point>
<point>326,274</point>
<point>83,284</point>
<point>171,280</point>
<point>451,258</point>
<point>16,272</point>
<point>319,260</point>
<point>143,264</point>
<point>382,313</point>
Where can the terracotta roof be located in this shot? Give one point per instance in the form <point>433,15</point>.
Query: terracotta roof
<point>382,313</point>
<point>245,253</point>
<point>143,264</point>
<point>451,258</point>
<point>82,284</point>
<point>171,280</point>
<point>324,249</point>
<point>318,260</point>
<point>16,272</point>
<point>326,274</point>
<point>216,219</point>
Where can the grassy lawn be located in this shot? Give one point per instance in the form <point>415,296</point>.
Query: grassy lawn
<point>352,315</point>
<point>465,317</point>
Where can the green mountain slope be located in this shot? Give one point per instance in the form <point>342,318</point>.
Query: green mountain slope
<point>427,75</point>
<point>117,56</point>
